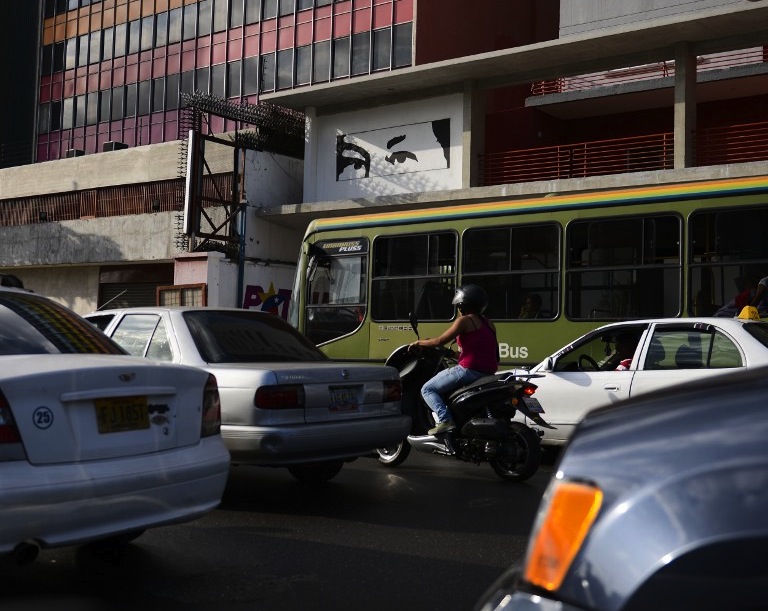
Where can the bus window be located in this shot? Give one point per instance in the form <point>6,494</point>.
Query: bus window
<point>336,299</point>
<point>413,273</point>
<point>515,264</point>
<point>624,268</point>
<point>727,253</point>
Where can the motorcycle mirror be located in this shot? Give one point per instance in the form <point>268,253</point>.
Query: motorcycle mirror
<point>414,323</point>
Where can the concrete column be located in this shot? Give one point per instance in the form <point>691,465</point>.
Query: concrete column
<point>685,107</point>
<point>473,135</point>
<point>310,154</point>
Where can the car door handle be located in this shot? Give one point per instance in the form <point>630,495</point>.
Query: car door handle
<point>613,387</point>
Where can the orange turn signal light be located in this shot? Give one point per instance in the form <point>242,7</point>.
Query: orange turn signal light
<point>572,508</point>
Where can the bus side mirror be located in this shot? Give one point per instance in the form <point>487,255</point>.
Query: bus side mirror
<point>414,323</point>
<point>312,268</point>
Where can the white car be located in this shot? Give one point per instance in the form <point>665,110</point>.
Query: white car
<point>96,444</point>
<point>283,402</point>
<point>583,375</point>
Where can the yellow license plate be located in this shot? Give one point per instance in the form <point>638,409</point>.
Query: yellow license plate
<point>120,414</point>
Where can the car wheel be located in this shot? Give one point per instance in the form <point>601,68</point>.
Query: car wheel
<point>395,454</point>
<point>316,472</point>
<point>519,455</point>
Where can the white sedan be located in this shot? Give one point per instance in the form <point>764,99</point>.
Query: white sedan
<point>283,402</point>
<point>96,444</point>
<point>583,375</point>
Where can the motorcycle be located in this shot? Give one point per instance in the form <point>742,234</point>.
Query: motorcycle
<point>482,412</point>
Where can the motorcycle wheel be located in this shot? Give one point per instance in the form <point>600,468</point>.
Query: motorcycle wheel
<point>519,456</point>
<point>395,454</point>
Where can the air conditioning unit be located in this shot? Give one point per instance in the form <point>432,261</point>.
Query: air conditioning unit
<point>75,153</point>
<point>113,146</point>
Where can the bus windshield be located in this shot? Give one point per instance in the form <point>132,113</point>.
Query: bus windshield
<point>336,289</point>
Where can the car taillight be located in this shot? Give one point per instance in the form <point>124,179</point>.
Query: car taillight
<point>211,408</point>
<point>288,396</point>
<point>10,438</point>
<point>393,391</point>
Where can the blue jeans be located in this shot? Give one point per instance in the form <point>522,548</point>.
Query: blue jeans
<point>442,384</point>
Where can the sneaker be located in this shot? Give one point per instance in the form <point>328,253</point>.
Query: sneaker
<point>442,427</point>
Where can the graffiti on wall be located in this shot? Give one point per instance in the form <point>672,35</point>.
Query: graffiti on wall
<point>417,147</point>
<point>273,301</point>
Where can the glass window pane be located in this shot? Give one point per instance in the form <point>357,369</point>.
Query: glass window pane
<point>403,44</point>
<point>187,84</point>
<point>251,75</point>
<point>233,79</point>
<point>361,50</point>
<point>341,57</point>
<point>190,21</point>
<point>68,114</point>
<point>44,119</point>
<point>287,7</point>
<point>94,53</point>
<point>218,73</point>
<point>56,118</point>
<point>82,53</point>
<point>304,4</point>
<point>145,97</point>
<point>70,61</point>
<point>322,61</point>
<point>220,8</point>
<point>270,9</point>
<point>172,91</point>
<point>205,18</point>
<point>158,94</point>
<point>252,11</point>
<point>80,110</point>
<point>303,65</point>
<point>108,41</point>
<point>147,32</point>
<point>236,14</point>
<point>381,49</point>
<point>118,102</point>
<point>174,25</point>
<point>105,97</point>
<point>161,29</point>
<point>134,36</point>
<point>267,72</point>
<point>59,52</point>
<point>130,100</point>
<point>285,69</point>
<point>121,39</point>
<point>202,79</point>
<point>92,108</point>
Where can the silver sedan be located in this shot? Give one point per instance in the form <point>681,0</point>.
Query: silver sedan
<point>283,402</point>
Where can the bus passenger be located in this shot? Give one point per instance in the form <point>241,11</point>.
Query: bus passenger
<point>531,306</point>
<point>476,337</point>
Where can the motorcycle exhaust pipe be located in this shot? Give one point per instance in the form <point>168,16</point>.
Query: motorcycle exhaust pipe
<point>429,444</point>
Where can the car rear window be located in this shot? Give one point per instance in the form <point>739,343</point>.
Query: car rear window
<point>31,324</point>
<point>758,330</point>
<point>248,337</point>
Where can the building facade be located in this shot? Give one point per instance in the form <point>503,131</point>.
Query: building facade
<point>495,98</point>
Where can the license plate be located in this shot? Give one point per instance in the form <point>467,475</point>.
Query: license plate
<point>533,405</point>
<point>343,399</point>
<point>120,414</point>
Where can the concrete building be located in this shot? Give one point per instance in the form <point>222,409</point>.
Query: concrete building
<point>654,92</point>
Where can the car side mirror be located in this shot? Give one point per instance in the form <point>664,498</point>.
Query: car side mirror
<point>549,364</point>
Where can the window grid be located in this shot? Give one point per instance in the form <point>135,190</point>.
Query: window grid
<point>141,86</point>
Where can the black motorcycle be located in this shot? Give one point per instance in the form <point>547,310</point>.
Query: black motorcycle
<point>482,412</point>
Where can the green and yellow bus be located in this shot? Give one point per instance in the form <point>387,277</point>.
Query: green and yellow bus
<point>586,258</point>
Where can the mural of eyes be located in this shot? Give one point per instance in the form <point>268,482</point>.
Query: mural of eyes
<point>398,156</point>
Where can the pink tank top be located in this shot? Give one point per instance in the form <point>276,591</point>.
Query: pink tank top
<point>479,349</point>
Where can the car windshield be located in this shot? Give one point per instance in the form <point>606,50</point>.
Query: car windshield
<point>30,324</point>
<point>758,330</point>
<point>248,337</point>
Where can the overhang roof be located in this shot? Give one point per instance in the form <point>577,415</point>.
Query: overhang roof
<point>709,31</point>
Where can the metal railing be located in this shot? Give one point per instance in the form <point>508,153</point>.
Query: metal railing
<point>631,74</point>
